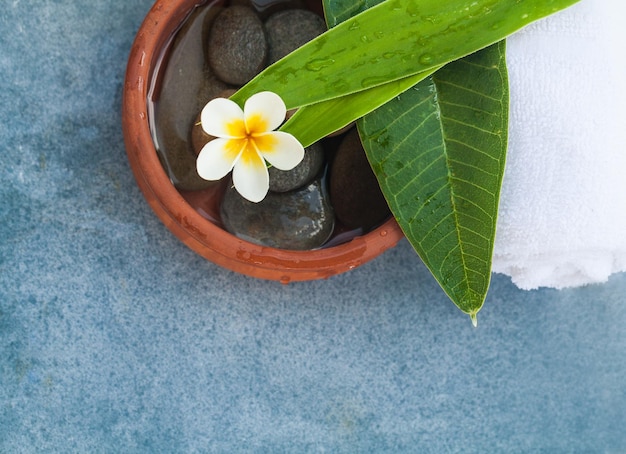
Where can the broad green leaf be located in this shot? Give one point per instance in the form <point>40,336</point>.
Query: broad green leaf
<point>438,151</point>
<point>310,123</point>
<point>337,11</point>
<point>390,41</point>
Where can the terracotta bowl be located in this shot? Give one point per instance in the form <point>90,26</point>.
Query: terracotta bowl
<point>198,233</point>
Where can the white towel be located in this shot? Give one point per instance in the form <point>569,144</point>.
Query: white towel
<point>562,216</point>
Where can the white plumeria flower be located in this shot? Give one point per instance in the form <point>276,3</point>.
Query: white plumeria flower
<point>245,140</point>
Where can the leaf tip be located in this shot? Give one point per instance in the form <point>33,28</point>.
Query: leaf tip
<point>474,319</point>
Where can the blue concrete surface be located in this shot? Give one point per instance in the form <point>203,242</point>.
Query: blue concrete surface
<point>114,337</point>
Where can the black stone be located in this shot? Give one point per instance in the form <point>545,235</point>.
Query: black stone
<point>186,86</point>
<point>354,191</point>
<point>237,47</point>
<point>287,30</point>
<point>298,220</point>
<point>303,173</point>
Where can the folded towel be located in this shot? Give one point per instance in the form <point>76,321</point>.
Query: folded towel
<point>562,216</point>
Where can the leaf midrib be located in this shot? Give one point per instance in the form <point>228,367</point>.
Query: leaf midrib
<point>450,181</point>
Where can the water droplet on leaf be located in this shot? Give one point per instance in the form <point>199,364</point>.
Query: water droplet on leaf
<point>426,59</point>
<point>319,63</point>
<point>373,81</point>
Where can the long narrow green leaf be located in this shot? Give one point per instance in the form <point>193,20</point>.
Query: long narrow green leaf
<point>438,152</point>
<point>311,123</point>
<point>315,121</point>
<point>390,41</point>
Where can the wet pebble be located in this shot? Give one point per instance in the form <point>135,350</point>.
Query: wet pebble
<point>303,173</point>
<point>354,191</point>
<point>297,220</point>
<point>198,137</point>
<point>237,47</point>
<point>287,30</point>
<point>187,85</point>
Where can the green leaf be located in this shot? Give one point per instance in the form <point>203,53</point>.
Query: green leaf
<point>390,41</point>
<point>337,11</point>
<point>313,122</point>
<point>310,123</point>
<point>438,151</point>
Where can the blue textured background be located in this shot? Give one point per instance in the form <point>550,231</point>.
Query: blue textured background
<point>114,337</point>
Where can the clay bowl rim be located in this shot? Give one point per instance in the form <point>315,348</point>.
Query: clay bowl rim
<point>201,235</point>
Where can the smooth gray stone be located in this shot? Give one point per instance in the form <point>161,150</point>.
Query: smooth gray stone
<point>354,190</point>
<point>303,173</point>
<point>300,220</point>
<point>186,86</point>
<point>287,30</point>
<point>237,47</point>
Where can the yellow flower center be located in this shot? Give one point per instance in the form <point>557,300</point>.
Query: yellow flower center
<point>256,124</point>
<point>236,128</point>
<point>249,137</point>
<point>240,129</point>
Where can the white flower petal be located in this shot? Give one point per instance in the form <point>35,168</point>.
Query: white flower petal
<point>280,149</point>
<point>217,158</point>
<point>218,117</point>
<point>251,178</point>
<point>269,107</point>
